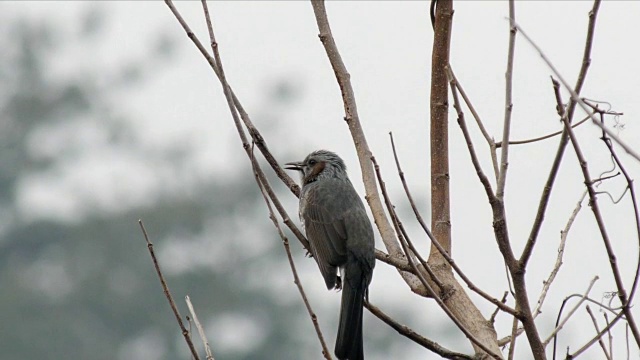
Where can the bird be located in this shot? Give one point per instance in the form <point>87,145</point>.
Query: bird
<point>341,238</point>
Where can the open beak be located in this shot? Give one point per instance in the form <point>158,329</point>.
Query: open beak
<point>296,165</point>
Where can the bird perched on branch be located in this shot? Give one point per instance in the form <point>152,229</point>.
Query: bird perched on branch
<point>341,237</point>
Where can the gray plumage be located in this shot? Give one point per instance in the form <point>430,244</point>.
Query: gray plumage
<point>341,237</point>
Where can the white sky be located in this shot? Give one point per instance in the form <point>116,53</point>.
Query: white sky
<point>386,47</point>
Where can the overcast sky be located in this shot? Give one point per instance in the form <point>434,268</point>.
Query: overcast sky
<point>386,47</point>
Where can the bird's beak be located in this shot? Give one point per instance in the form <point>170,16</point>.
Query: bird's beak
<point>296,165</point>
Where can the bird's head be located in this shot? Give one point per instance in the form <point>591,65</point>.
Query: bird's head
<point>319,164</point>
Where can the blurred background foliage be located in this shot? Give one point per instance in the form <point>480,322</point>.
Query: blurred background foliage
<point>84,288</point>
<point>79,284</point>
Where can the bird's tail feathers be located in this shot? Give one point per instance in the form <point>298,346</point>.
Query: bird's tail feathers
<point>349,340</point>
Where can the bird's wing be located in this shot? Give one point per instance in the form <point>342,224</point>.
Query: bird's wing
<point>322,215</point>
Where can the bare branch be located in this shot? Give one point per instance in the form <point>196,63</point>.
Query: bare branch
<point>412,335</point>
<point>494,314</point>
<point>203,336</point>
<point>285,243</point>
<point>631,189</point>
<point>556,267</point>
<point>405,239</point>
<point>595,325</point>
<point>514,338</point>
<point>235,107</point>
<point>490,142</point>
<point>560,325</point>
<point>595,208</point>
<point>508,104</point>
<point>167,294</point>
<point>430,290</point>
<point>467,137</point>
<point>500,304</point>
<point>564,139</point>
<point>594,339</point>
<point>502,238</point>
<point>545,137</point>
<point>253,131</point>
<point>574,95</point>
<point>606,319</point>
<point>439,131</point>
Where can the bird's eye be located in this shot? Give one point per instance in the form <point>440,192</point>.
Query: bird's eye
<point>312,162</point>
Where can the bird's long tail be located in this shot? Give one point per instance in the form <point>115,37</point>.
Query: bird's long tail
<point>349,339</point>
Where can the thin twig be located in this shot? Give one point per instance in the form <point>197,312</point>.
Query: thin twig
<point>167,293</point>
<point>508,104</point>
<point>467,137</point>
<point>556,267</point>
<point>516,270</point>
<point>606,320</point>
<point>490,142</point>
<point>505,340</point>
<point>514,337</point>
<point>253,131</point>
<point>500,304</point>
<point>575,97</point>
<point>285,242</point>
<point>594,339</point>
<point>626,337</point>
<point>494,314</point>
<point>634,204</point>
<point>237,112</point>
<point>402,235</point>
<point>415,337</point>
<point>430,291</point>
<point>564,139</point>
<point>595,325</point>
<point>203,335</point>
<point>502,239</point>
<point>561,324</point>
<point>548,136</point>
<point>595,209</point>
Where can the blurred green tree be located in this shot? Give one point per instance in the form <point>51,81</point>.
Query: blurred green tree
<point>84,288</point>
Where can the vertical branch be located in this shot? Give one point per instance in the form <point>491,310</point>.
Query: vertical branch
<point>514,338</point>
<point>508,104</point>
<point>196,321</point>
<point>439,103</point>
